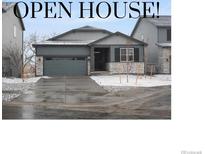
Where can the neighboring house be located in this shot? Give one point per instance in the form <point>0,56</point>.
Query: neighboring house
<point>156,32</point>
<point>12,41</point>
<point>88,49</point>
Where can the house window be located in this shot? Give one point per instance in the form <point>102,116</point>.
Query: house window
<point>168,34</point>
<point>142,37</point>
<point>123,56</point>
<point>14,30</point>
<point>126,54</point>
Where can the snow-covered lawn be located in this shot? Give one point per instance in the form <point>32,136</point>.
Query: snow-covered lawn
<point>19,80</point>
<point>133,81</point>
<point>13,87</point>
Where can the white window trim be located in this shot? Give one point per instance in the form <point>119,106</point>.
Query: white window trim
<point>133,54</point>
<point>121,54</point>
<point>14,31</point>
<point>142,37</point>
<point>127,55</point>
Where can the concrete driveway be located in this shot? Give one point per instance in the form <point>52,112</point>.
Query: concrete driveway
<point>64,90</point>
<point>82,98</point>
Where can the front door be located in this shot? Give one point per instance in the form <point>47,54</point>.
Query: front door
<point>101,58</point>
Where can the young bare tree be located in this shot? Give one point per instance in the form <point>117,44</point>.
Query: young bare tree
<point>120,71</point>
<point>128,68</point>
<point>14,53</point>
<point>19,59</point>
<point>29,52</point>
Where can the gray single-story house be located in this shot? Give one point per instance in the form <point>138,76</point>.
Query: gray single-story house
<point>88,49</point>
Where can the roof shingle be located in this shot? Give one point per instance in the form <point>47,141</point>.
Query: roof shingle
<point>162,21</point>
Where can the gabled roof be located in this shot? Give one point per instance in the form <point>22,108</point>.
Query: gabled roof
<point>85,42</point>
<point>90,28</point>
<point>64,43</point>
<point>162,21</point>
<point>84,28</point>
<point>6,6</point>
<point>118,34</point>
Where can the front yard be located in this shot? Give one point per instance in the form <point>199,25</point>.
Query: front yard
<point>14,87</point>
<point>124,82</point>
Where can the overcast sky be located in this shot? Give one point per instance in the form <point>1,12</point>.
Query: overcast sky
<point>43,26</point>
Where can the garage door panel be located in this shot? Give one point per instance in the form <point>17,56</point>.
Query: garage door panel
<point>65,66</point>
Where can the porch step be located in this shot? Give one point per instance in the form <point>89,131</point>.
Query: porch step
<point>100,73</point>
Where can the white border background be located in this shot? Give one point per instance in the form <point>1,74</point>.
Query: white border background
<point>185,131</point>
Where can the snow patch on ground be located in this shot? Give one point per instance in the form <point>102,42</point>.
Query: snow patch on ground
<point>14,87</point>
<point>133,80</point>
<point>20,80</point>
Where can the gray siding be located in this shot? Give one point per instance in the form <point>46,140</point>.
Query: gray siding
<point>62,51</point>
<point>10,42</point>
<point>116,39</point>
<point>162,34</point>
<point>9,20</point>
<point>147,32</point>
<point>83,35</point>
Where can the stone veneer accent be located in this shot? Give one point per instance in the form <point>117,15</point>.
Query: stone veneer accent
<point>164,60</point>
<point>121,67</point>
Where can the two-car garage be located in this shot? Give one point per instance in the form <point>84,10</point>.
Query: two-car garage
<point>63,60</point>
<point>66,66</point>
